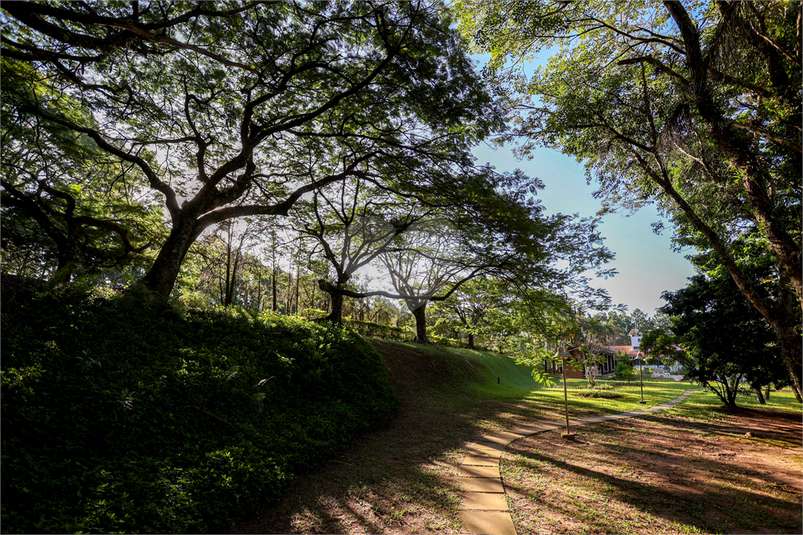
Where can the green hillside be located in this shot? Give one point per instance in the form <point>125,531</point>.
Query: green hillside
<point>119,416</point>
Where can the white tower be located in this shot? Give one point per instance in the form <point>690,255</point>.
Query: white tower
<point>635,339</point>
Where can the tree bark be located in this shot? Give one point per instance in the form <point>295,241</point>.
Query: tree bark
<point>419,313</point>
<point>161,277</point>
<point>470,340</point>
<point>336,313</point>
<point>796,391</point>
<point>274,291</point>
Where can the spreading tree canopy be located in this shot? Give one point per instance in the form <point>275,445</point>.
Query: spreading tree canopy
<point>233,109</point>
<point>693,105</point>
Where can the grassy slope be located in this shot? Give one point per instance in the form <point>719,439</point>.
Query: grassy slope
<point>402,479</point>
<point>119,416</point>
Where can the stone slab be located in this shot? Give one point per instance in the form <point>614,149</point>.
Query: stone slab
<point>487,523</point>
<point>481,484</point>
<point>479,471</point>
<point>479,460</point>
<point>481,450</point>
<point>530,429</point>
<point>485,501</point>
<point>502,437</point>
<point>486,445</point>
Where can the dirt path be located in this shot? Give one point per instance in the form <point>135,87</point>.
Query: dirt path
<point>483,505</point>
<point>406,479</point>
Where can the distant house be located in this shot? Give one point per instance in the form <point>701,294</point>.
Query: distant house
<point>600,356</point>
<point>635,355</point>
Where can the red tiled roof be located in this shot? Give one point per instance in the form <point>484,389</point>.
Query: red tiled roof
<point>627,350</point>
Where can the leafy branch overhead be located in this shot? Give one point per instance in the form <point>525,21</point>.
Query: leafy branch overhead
<point>693,106</point>
<point>326,92</point>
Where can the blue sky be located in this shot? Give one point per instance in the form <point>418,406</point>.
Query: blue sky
<point>645,261</point>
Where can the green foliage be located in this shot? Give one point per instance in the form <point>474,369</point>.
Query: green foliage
<point>601,391</point>
<point>123,416</point>
<point>624,371</point>
<point>719,337</point>
<point>378,330</point>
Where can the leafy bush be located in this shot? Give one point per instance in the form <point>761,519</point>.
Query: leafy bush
<point>379,330</point>
<point>624,371</point>
<point>602,391</point>
<point>123,416</point>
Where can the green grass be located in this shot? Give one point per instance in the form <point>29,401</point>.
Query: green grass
<point>700,406</point>
<point>503,377</point>
<point>495,376</point>
<point>488,375</point>
<point>656,391</point>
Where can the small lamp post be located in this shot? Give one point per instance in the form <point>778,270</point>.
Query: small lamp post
<point>564,355</point>
<point>641,375</point>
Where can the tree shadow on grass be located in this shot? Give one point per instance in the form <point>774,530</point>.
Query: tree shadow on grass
<point>786,426</point>
<point>401,479</point>
<point>683,484</point>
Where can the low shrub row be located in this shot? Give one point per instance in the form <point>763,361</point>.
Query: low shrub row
<point>123,416</point>
<point>379,330</point>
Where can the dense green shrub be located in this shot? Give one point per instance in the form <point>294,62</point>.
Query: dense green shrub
<point>379,330</point>
<point>624,371</point>
<point>599,391</point>
<point>122,416</point>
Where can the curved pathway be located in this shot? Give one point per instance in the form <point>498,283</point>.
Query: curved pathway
<point>483,505</point>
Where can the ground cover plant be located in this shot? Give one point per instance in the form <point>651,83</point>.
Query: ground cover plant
<point>120,416</point>
<point>402,479</point>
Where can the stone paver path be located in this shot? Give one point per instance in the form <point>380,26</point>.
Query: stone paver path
<point>483,504</point>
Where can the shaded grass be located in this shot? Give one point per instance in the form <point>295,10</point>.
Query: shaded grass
<point>688,469</point>
<point>402,479</point>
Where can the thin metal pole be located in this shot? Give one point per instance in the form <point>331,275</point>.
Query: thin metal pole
<point>566,396</point>
<point>641,376</point>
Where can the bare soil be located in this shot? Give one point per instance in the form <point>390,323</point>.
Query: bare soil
<point>664,473</point>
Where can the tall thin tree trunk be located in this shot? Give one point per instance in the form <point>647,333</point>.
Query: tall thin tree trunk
<point>274,290</point>
<point>298,278</point>
<point>336,314</point>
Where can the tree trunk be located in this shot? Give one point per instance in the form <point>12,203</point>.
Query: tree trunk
<point>761,399</point>
<point>419,313</point>
<point>288,297</point>
<point>470,340</point>
<point>274,291</point>
<point>767,393</point>
<point>298,278</point>
<point>736,151</point>
<point>67,259</point>
<point>796,391</point>
<point>161,277</point>
<point>780,321</point>
<point>755,180</point>
<point>336,313</point>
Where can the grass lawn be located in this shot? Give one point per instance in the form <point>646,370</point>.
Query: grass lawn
<point>402,479</point>
<point>690,469</point>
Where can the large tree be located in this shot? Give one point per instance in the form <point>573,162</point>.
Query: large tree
<point>719,337</point>
<point>352,223</point>
<point>65,211</point>
<point>696,107</point>
<point>233,109</point>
